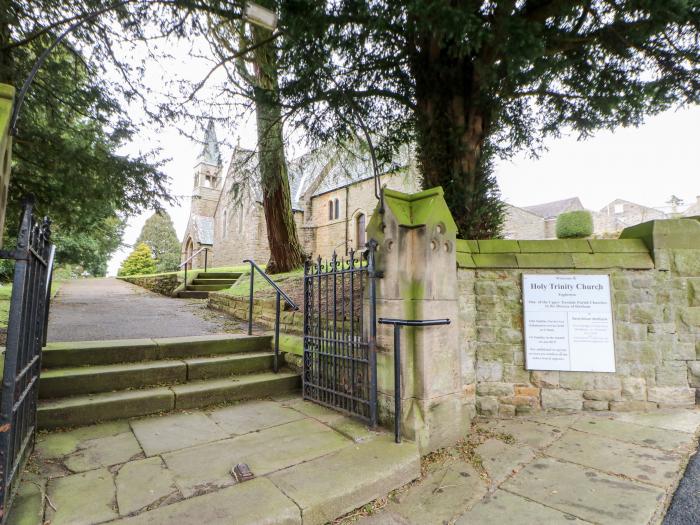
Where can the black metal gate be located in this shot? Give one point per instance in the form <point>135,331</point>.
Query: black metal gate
<point>340,360</point>
<point>26,335</point>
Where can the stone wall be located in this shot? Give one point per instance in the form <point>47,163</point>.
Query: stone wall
<point>163,284</point>
<point>656,309</point>
<point>291,322</point>
<point>340,235</point>
<point>522,224</point>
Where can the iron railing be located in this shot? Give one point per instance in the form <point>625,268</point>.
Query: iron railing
<point>26,334</point>
<point>340,360</point>
<point>398,323</point>
<point>279,294</point>
<point>206,260</point>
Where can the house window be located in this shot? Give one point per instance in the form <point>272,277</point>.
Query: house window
<point>330,210</point>
<point>360,231</point>
<point>337,208</point>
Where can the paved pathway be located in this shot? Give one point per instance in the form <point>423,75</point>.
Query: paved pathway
<point>103,309</point>
<point>175,469</point>
<point>611,468</point>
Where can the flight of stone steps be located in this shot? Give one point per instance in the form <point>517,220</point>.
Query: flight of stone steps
<point>86,382</point>
<point>206,282</point>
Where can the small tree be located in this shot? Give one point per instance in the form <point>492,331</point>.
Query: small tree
<point>139,262</point>
<point>159,234</point>
<point>574,225</point>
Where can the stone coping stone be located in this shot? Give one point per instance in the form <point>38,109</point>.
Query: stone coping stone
<point>81,353</point>
<point>85,410</point>
<point>556,253</point>
<point>328,487</point>
<point>63,382</point>
<point>254,502</point>
<point>211,392</point>
<point>179,347</point>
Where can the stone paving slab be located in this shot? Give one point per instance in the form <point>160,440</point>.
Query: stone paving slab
<point>332,485</point>
<point>501,460</point>
<point>176,431</point>
<point>253,416</point>
<point>633,433</point>
<point>59,444</point>
<point>143,483</point>
<point>535,435</point>
<point>680,420</point>
<point>444,493</point>
<point>503,507</point>
<point>586,493</point>
<point>645,464</point>
<point>256,502</point>
<point>82,499</point>
<point>103,452</point>
<point>208,467</point>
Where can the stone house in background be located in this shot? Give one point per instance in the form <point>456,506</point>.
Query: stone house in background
<point>332,193</point>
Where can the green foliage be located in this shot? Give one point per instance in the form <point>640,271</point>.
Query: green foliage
<point>574,225</point>
<point>159,234</point>
<point>72,124</point>
<point>139,262</point>
<point>469,82</point>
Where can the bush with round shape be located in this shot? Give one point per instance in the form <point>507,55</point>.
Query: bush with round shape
<point>574,225</point>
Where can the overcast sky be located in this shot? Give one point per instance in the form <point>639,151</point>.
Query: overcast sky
<point>645,165</point>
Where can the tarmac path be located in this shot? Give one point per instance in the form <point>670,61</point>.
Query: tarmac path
<point>104,309</point>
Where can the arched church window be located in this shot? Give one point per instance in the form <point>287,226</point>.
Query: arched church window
<point>330,210</point>
<point>337,208</point>
<point>360,231</point>
<point>225,228</point>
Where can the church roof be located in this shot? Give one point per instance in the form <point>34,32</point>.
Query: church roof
<point>553,209</point>
<point>319,171</point>
<point>203,229</point>
<point>210,148</point>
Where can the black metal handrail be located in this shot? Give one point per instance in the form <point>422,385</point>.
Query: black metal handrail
<point>279,295</point>
<point>206,258</point>
<point>398,323</point>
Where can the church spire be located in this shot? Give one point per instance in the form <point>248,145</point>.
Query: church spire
<point>210,150</point>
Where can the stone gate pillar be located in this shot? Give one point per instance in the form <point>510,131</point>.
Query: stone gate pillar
<point>416,253</point>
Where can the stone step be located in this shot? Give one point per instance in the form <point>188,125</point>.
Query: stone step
<point>86,353</point>
<point>89,409</point>
<point>206,287</point>
<point>219,282</point>
<point>64,382</point>
<point>218,275</point>
<point>190,294</point>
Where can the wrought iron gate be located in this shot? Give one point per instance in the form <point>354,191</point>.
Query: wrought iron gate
<point>26,335</point>
<point>340,360</point>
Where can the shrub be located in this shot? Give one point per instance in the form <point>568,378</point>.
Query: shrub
<point>139,262</point>
<point>574,225</point>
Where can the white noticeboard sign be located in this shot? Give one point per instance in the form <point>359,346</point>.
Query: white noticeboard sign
<point>568,323</point>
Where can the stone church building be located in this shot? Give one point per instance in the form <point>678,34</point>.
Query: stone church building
<point>332,193</point>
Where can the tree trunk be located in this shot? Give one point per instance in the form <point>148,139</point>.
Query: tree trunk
<point>286,253</point>
<point>453,116</point>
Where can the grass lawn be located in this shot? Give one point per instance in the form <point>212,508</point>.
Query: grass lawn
<point>6,295</point>
<point>242,287</point>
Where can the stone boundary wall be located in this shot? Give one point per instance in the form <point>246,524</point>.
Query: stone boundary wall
<point>655,282</point>
<point>291,322</point>
<point>165,284</point>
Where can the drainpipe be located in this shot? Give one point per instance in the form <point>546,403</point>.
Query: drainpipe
<point>347,206</point>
